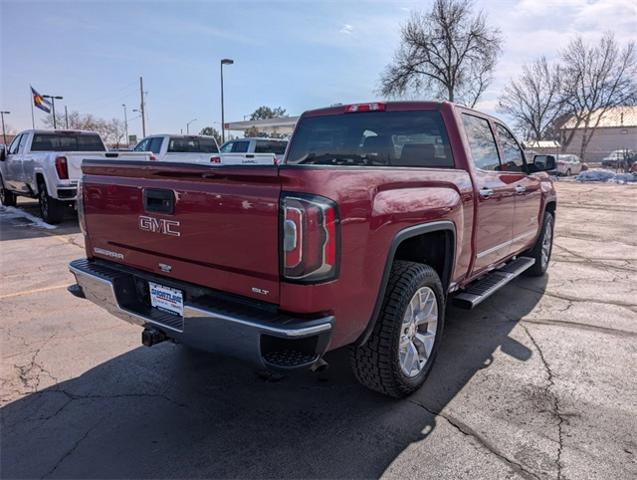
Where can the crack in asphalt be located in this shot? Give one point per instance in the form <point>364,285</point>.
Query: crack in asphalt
<point>72,450</point>
<point>29,373</point>
<point>629,306</point>
<point>469,432</point>
<point>583,326</point>
<point>556,403</point>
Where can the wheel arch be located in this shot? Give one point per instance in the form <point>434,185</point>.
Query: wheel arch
<point>408,245</point>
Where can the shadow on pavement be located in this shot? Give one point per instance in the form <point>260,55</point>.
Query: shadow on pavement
<point>171,412</point>
<point>16,225</point>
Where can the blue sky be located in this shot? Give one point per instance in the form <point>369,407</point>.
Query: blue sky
<point>297,55</point>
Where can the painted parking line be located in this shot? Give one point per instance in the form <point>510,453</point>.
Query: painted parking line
<point>34,290</point>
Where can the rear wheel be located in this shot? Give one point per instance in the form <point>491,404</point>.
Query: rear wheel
<point>542,249</point>
<point>52,210</point>
<point>7,197</point>
<point>400,352</point>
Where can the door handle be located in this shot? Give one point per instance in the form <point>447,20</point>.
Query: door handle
<point>520,189</point>
<point>486,192</point>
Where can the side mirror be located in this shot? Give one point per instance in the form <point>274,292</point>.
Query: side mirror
<point>543,163</point>
<point>3,153</point>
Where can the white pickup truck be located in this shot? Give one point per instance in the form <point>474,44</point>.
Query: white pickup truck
<point>47,164</point>
<point>181,148</point>
<point>253,151</point>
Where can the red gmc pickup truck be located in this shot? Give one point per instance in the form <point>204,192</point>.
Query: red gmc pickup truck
<point>379,214</point>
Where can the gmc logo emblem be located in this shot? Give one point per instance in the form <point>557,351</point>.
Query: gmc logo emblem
<point>159,225</point>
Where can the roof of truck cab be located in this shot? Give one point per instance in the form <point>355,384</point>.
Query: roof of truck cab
<point>37,130</point>
<point>176,135</point>
<point>397,106</point>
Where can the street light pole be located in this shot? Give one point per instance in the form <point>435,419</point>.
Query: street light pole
<point>224,61</point>
<point>188,125</point>
<point>125,124</point>
<point>4,133</point>
<point>53,98</point>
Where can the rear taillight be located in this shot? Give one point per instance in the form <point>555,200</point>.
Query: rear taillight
<point>62,168</point>
<point>153,157</point>
<point>310,238</point>
<point>215,159</point>
<point>365,107</point>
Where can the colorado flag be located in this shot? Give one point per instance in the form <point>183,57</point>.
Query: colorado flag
<point>40,102</point>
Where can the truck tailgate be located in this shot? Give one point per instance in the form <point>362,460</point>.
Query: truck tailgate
<point>213,226</point>
<point>74,159</point>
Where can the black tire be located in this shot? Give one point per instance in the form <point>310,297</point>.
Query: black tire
<point>52,210</point>
<point>542,263</point>
<point>377,364</point>
<point>568,172</point>
<point>7,197</point>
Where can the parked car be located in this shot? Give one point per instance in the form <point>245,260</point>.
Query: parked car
<point>46,164</point>
<point>616,158</point>
<point>566,165</point>
<point>253,151</point>
<point>379,214</point>
<point>181,148</point>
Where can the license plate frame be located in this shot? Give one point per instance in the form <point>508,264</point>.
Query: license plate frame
<point>166,299</point>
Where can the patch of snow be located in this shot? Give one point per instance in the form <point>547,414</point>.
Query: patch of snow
<point>13,212</point>
<point>604,175</point>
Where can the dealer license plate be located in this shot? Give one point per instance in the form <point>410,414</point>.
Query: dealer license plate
<point>166,299</point>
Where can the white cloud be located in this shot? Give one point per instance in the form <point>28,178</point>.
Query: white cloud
<point>346,29</point>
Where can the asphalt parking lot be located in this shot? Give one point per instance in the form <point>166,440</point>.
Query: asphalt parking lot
<point>537,382</point>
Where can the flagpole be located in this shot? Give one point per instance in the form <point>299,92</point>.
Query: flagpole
<point>31,102</point>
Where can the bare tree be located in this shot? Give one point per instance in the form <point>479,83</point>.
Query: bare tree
<point>596,78</point>
<point>534,100</point>
<point>449,53</point>
<point>111,131</point>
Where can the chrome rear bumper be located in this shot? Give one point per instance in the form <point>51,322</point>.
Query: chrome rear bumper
<point>266,338</point>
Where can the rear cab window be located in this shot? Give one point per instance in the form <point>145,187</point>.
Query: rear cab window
<point>67,142</point>
<point>154,145</point>
<point>192,145</point>
<point>415,138</point>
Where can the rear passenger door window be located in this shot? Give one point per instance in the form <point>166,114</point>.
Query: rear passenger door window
<point>240,147</point>
<point>226,147</point>
<point>512,155</point>
<point>482,145</point>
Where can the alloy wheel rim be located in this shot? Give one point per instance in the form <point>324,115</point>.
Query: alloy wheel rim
<point>418,332</point>
<point>546,243</point>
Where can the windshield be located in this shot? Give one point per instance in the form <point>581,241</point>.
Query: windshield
<point>192,145</point>
<point>408,138</point>
<point>67,142</point>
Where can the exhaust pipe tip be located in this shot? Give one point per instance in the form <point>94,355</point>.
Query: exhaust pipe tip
<point>320,366</point>
<point>151,336</point>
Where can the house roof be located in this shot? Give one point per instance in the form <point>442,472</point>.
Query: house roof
<point>617,117</point>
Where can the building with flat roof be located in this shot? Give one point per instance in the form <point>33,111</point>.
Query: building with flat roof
<point>617,130</point>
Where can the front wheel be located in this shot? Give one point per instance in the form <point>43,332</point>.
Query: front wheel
<point>542,249</point>
<point>52,210</point>
<point>400,352</point>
